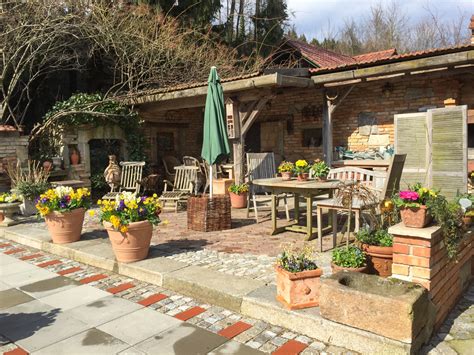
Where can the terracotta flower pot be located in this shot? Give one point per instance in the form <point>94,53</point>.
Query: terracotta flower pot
<point>286,175</point>
<point>74,157</point>
<point>321,178</point>
<point>47,165</point>
<point>415,217</point>
<point>467,220</point>
<point>238,200</point>
<point>298,290</point>
<point>65,227</point>
<point>132,245</point>
<point>335,268</point>
<point>379,259</point>
<point>303,176</point>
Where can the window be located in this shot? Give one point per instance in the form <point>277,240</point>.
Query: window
<point>312,137</point>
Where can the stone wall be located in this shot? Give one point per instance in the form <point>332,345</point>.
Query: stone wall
<point>420,256</point>
<point>13,147</point>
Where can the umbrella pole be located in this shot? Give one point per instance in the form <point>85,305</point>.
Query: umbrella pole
<point>211,175</point>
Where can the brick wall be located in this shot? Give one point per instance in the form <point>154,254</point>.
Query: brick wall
<point>419,255</point>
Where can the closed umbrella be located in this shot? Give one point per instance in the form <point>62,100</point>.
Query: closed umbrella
<point>215,145</point>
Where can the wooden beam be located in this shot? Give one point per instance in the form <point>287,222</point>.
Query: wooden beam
<point>253,115</point>
<point>339,99</point>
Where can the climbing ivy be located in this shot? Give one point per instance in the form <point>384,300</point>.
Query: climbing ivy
<point>81,109</point>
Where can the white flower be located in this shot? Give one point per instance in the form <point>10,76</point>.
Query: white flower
<point>62,191</point>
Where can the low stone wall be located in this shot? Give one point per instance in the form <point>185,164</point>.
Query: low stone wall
<point>420,256</point>
<point>13,147</point>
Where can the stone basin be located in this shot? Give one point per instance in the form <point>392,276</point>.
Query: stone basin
<point>8,210</point>
<point>392,308</point>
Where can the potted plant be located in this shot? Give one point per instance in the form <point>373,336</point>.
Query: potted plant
<point>63,209</point>
<point>349,259</point>
<point>129,222</point>
<point>238,195</point>
<point>413,205</point>
<point>377,244</point>
<point>9,203</point>
<point>466,202</point>
<point>302,170</point>
<point>30,183</point>
<point>320,170</point>
<point>286,169</point>
<point>298,278</point>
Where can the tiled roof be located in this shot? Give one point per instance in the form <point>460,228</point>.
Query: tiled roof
<point>320,57</point>
<point>396,58</point>
<point>372,56</point>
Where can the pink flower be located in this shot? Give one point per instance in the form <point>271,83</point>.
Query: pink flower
<point>409,195</point>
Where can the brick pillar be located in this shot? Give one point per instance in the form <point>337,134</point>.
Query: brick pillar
<point>419,255</point>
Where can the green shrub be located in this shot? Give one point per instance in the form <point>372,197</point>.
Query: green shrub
<point>348,257</point>
<point>380,237</point>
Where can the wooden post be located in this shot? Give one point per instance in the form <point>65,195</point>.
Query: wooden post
<point>327,130</point>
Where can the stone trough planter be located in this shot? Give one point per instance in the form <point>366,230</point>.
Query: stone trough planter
<point>392,308</point>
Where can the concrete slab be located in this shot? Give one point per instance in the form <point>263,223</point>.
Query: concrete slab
<point>68,250</point>
<point>261,304</point>
<point>4,286</point>
<point>131,351</point>
<point>103,310</point>
<point>48,287</point>
<point>184,339</point>
<point>74,297</point>
<point>98,255</point>
<point>151,270</point>
<point>14,267</point>
<point>25,313</point>
<point>45,331</point>
<point>27,235</point>
<point>235,348</point>
<point>24,278</point>
<point>12,297</point>
<point>139,325</point>
<point>92,341</point>
<point>211,286</point>
<point>7,259</point>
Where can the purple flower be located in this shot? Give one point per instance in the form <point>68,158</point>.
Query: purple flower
<point>141,211</point>
<point>121,206</point>
<point>62,204</point>
<point>44,200</point>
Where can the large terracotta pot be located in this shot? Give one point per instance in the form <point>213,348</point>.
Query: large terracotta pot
<point>286,175</point>
<point>302,176</point>
<point>238,200</point>
<point>298,290</point>
<point>65,227</point>
<point>335,268</point>
<point>379,259</point>
<point>415,217</point>
<point>467,220</point>
<point>132,245</point>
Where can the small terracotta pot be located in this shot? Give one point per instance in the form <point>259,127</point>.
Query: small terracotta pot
<point>74,157</point>
<point>286,175</point>
<point>321,178</point>
<point>303,176</point>
<point>65,227</point>
<point>47,165</point>
<point>2,217</point>
<point>298,290</point>
<point>238,200</point>
<point>335,268</point>
<point>379,259</point>
<point>415,217</point>
<point>467,221</point>
<point>132,245</point>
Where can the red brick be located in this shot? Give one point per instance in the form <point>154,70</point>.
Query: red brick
<point>399,269</point>
<point>190,313</point>
<point>17,351</point>
<point>411,241</point>
<point>234,330</point>
<point>421,251</point>
<point>14,251</point>
<point>401,248</point>
<point>421,272</point>
<point>31,256</point>
<point>120,288</point>
<point>69,271</point>
<point>49,263</point>
<point>93,278</point>
<point>411,260</point>
<point>4,245</point>
<point>157,297</point>
<point>291,347</point>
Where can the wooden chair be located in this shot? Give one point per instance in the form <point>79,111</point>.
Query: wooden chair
<point>182,187</point>
<point>384,185</point>
<point>130,178</point>
<point>261,166</point>
<point>169,163</point>
<point>200,176</point>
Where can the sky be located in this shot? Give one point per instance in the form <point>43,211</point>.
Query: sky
<point>311,15</point>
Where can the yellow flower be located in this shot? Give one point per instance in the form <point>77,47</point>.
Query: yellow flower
<point>99,202</point>
<point>165,222</point>
<point>301,163</point>
<point>155,195</point>
<point>124,229</point>
<point>91,213</point>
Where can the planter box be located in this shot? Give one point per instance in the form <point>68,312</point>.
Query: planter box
<point>395,309</point>
<point>221,186</point>
<point>206,215</point>
<point>415,217</point>
<point>298,290</point>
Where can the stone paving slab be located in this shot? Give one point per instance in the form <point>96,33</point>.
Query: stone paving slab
<point>48,287</point>
<point>13,297</point>
<point>74,297</point>
<point>27,277</point>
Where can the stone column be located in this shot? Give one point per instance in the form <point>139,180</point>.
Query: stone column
<point>420,256</point>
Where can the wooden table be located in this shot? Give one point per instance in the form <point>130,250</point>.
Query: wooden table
<point>307,189</point>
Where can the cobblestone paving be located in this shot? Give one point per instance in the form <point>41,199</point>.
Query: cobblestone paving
<point>261,335</point>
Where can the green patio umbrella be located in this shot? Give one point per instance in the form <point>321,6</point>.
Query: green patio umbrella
<point>215,145</point>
